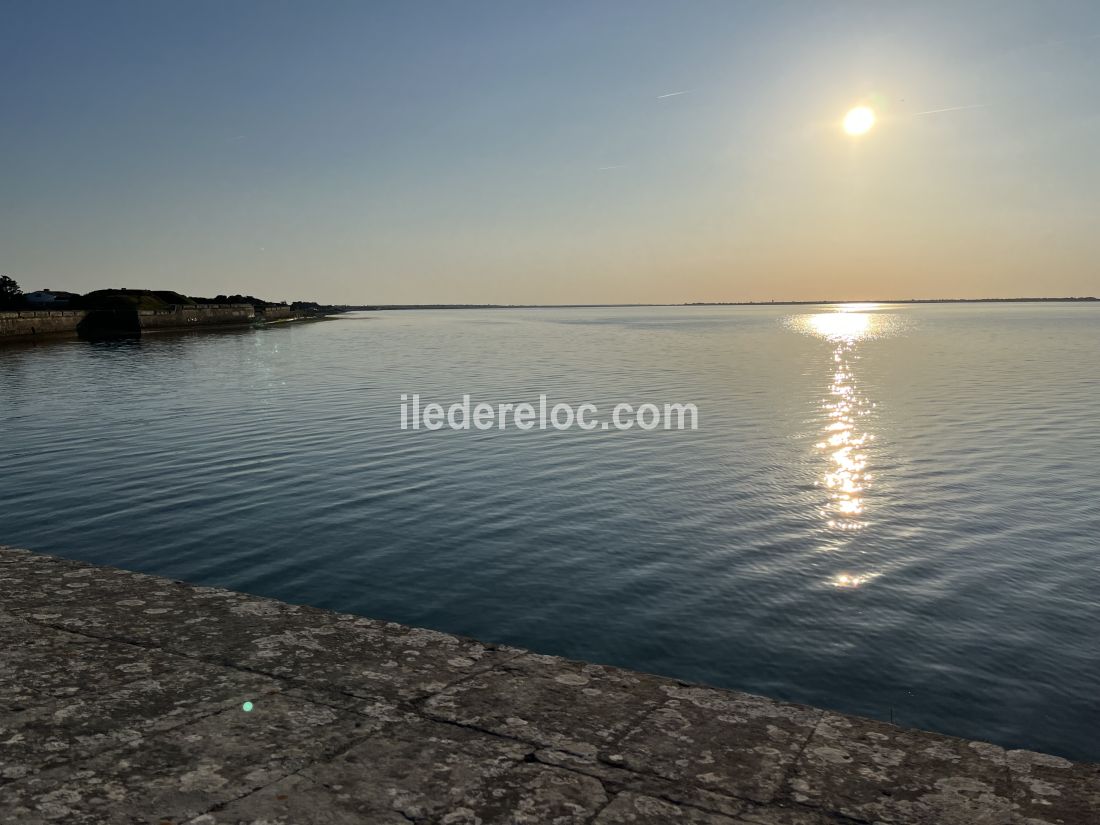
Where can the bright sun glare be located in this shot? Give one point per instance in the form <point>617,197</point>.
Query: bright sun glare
<point>859,120</point>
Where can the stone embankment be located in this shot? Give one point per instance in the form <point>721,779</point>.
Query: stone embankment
<point>30,325</point>
<point>39,324</point>
<point>126,698</point>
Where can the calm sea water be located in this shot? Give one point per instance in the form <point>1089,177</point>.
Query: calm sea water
<point>889,510</point>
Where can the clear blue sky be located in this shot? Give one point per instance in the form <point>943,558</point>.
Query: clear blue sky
<point>515,152</point>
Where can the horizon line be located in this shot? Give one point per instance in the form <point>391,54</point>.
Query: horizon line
<point>815,302</point>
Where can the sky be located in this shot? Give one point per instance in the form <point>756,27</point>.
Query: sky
<point>568,152</point>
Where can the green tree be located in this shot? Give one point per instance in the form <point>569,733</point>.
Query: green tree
<point>10,293</point>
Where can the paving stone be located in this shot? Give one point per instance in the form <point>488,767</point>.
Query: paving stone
<point>53,663</point>
<point>552,702</point>
<point>373,707</point>
<point>436,772</point>
<point>362,656</point>
<point>120,702</point>
<point>73,728</point>
<point>788,815</point>
<point>352,653</point>
<point>198,622</point>
<point>16,697</point>
<point>590,765</point>
<point>368,659</point>
<point>300,801</point>
<point>730,743</point>
<point>185,772</point>
<point>645,784</point>
<point>16,691</point>
<point>1050,790</point>
<point>636,809</point>
<point>524,795</point>
<point>30,582</point>
<point>877,772</point>
<point>20,557</point>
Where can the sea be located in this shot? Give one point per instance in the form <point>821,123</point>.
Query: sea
<point>885,509</point>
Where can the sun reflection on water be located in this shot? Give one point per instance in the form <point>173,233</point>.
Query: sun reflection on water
<point>851,580</point>
<point>844,439</point>
<point>842,327</point>
<point>844,443</point>
<point>846,476</point>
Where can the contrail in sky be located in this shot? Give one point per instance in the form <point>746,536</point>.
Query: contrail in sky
<point>953,109</point>
<point>673,94</point>
<point>1068,41</point>
<point>605,168</point>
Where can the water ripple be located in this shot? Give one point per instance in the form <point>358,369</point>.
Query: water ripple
<point>936,564</point>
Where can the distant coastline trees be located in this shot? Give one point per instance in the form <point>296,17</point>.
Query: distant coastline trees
<point>257,303</point>
<point>160,299</point>
<point>11,296</point>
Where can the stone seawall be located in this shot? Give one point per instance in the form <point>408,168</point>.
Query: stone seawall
<point>31,325</point>
<point>39,323</point>
<point>278,313</point>
<point>196,316</point>
<point>126,698</point>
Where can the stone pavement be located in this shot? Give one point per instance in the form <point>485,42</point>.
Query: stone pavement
<point>123,700</point>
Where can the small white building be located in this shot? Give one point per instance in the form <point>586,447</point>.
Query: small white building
<point>49,298</point>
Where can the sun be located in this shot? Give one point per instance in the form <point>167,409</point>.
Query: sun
<point>859,120</point>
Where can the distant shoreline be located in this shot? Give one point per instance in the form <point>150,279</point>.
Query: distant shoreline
<point>381,307</point>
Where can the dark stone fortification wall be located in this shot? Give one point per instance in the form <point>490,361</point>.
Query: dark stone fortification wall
<point>278,313</point>
<point>124,322</point>
<point>196,316</point>
<point>29,324</point>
